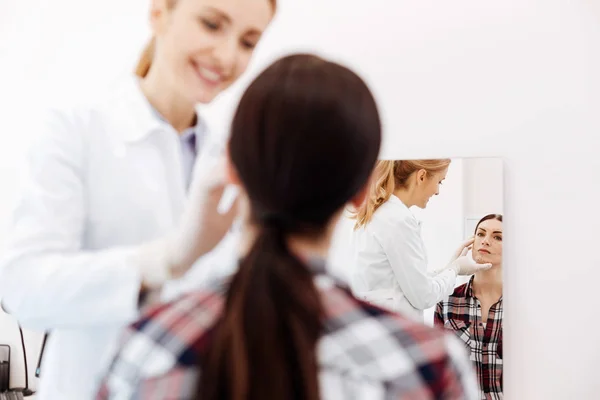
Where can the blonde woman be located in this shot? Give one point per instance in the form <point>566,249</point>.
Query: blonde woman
<point>390,258</point>
<point>108,185</point>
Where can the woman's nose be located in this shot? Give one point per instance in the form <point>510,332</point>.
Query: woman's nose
<point>226,52</point>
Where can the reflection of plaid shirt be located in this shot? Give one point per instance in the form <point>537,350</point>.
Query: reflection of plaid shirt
<point>364,353</point>
<point>462,314</point>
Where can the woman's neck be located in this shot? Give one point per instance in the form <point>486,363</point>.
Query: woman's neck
<point>318,247</point>
<point>488,282</point>
<point>406,196</point>
<point>178,112</point>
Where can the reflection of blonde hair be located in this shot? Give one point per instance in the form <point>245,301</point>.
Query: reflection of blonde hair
<point>145,61</point>
<point>387,176</point>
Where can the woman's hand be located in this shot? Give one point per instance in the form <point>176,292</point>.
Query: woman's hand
<point>465,266</point>
<point>202,226</point>
<point>463,249</point>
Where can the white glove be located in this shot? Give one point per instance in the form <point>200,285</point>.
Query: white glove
<point>465,265</point>
<point>460,251</point>
<point>201,228</point>
<point>463,249</point>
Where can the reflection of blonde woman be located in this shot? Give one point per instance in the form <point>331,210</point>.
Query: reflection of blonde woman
<point>390,257</point>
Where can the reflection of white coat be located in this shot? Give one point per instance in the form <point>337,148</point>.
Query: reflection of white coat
<point>390,263</point>
<point>101,181</point>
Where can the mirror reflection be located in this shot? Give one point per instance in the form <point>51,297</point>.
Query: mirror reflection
<point>427,243</point>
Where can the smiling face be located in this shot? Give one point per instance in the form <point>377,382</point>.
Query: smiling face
<point>429,185</point>
<point>203,46</point>
<point>487,247</point>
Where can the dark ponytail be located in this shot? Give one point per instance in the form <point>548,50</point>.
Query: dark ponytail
<point>303,142</point>
<point>264,347</point>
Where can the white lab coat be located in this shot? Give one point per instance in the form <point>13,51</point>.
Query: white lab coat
<point>390,263</point>
<point>102,180</point>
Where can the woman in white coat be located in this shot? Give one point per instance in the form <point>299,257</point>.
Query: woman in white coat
<point>102,219</point>
<point>390,259</point>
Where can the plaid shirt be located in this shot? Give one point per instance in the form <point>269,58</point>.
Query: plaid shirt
<point>364,353</point>
<point>461,313</point>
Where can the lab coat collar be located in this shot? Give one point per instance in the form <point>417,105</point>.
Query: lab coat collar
<point>396,200</point>
<point>145,118</point>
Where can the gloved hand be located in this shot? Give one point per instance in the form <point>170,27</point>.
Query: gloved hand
<point>463,249</point>
<point>201,228</point>
<point>465,265</point>
<point>461,263</point>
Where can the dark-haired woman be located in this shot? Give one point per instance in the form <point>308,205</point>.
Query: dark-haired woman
<point>474,311</point>
<point>304,141</point>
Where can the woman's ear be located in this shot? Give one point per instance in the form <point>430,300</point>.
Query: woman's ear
<point>421,175</point>
<point>158,10</point>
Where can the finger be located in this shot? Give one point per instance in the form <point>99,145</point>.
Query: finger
<point>228,197</point>
<point>235,209</point>
<point>467,242</point>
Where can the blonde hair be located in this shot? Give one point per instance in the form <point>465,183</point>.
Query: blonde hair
<point>145,61</point>
<point>387,176</point>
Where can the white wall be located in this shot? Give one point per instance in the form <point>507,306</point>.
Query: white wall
<point>484,183</point>
<point>517,79</point>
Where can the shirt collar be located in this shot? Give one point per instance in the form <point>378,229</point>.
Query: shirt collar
<point>469,289</point>
<point>197,130</point>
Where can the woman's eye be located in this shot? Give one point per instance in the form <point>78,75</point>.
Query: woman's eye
<point>210,25</point>
<point>498,238</point>
<point>248,44</point>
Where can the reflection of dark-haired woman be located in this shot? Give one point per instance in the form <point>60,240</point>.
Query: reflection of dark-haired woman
<point>304,141</point>
<point>474,311</point>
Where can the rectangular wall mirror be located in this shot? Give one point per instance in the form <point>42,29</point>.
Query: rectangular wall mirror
<point>406,254</point>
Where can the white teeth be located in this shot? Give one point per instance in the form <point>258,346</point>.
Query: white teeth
<point>209,75</point>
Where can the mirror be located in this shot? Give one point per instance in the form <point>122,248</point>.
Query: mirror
<point>406,255</point>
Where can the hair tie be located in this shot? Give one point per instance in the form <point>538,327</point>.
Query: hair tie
<point>273,219</point>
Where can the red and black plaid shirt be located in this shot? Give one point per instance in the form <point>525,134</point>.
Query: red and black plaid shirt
<point>364,353</point>
<point>461,313</point>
